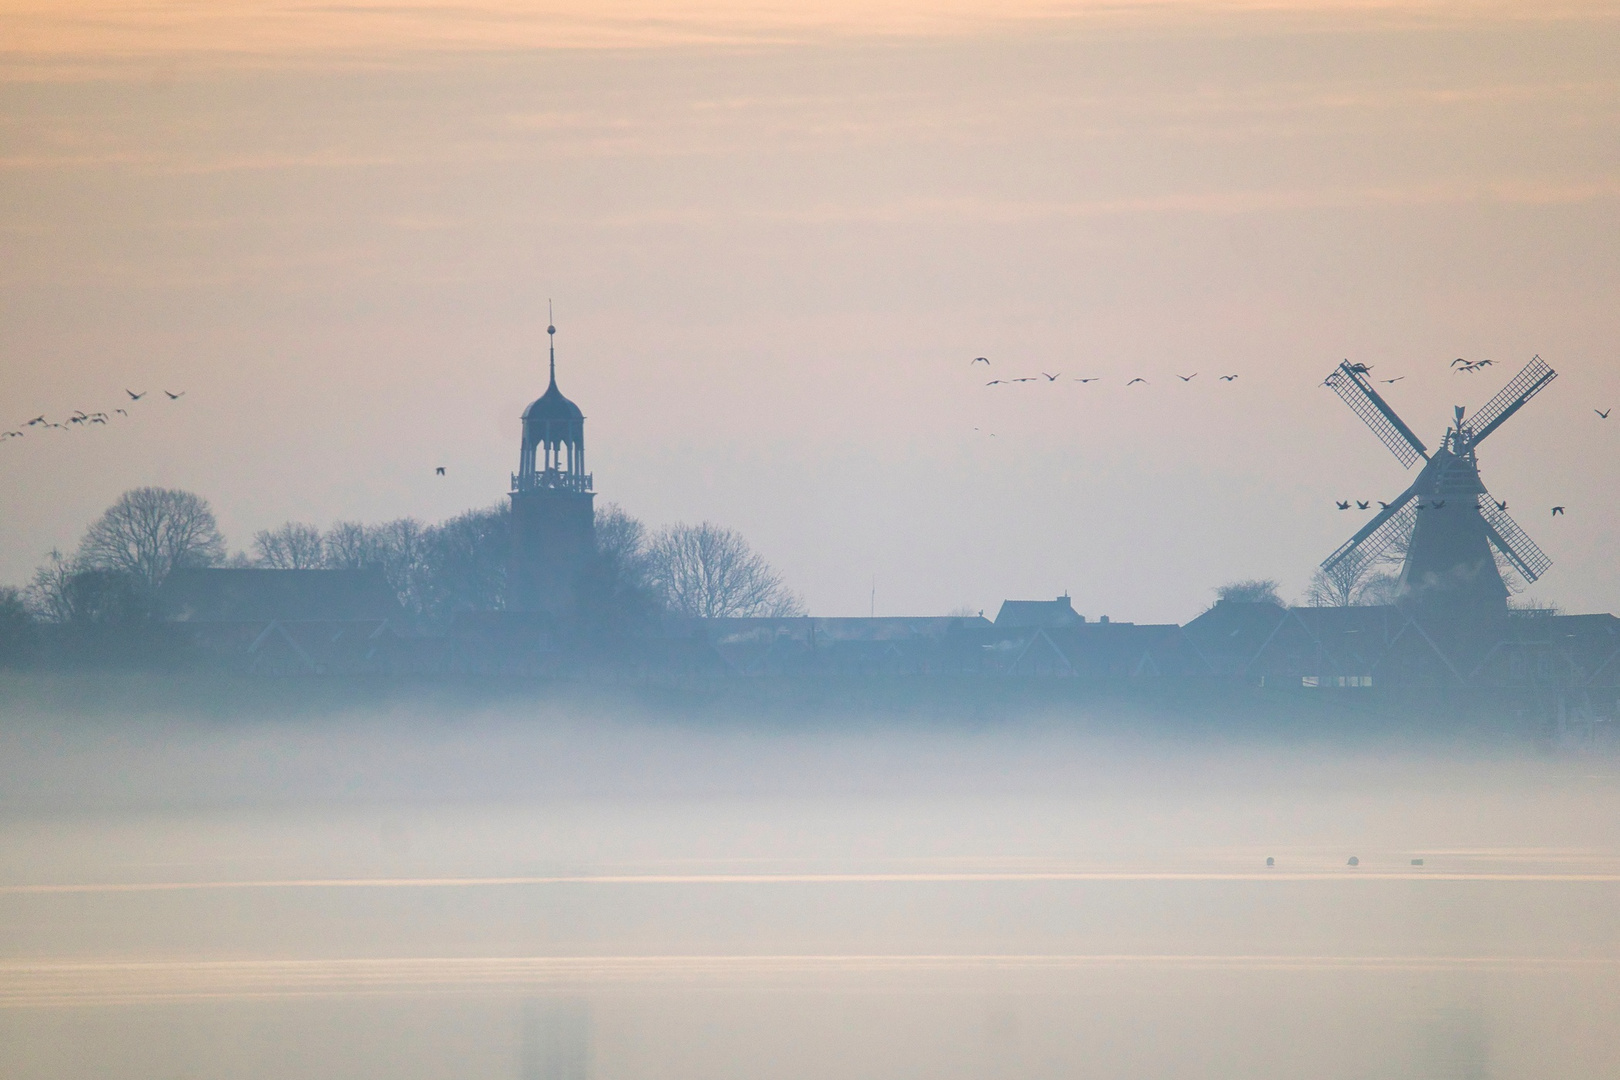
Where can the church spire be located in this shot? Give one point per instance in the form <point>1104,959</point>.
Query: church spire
<point>551,331</point>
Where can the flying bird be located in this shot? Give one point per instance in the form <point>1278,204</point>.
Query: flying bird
<point>439,471</point>
<point>1604,413</point>
<point>1052,378</point>
<point>1188,378</point>
<point>1440,505</point>
<point>1392,382</point>
<point>1484,363</point>
<point>176,397</point>
<point>133,396</point>
<point>1382,505</point>
<point>1502,505</point>
<point>12,435</point>
<point>1092,379</point>
<point>36,420</point>
<point>1557,510</point>
<point>1027,378</point>
<point>81,415</point>
<point>121,412</point>
<point>979,360</point>
<point>1133,382</point>
<point>1361,369</point>
<point>1361,505</point>
<point>995,382</point>
<point>1343,505</point>
<point>1457,361</point>
<point>1228,378</point>
<point>98,419</point>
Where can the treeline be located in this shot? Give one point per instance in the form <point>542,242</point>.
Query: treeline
<point>104,596</point>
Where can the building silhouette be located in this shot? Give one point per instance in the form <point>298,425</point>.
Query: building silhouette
<point>553,516</point>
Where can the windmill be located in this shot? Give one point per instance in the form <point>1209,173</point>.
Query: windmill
<point>1448,519</point>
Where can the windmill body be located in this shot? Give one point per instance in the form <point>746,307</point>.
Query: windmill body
<point>1450,527</point>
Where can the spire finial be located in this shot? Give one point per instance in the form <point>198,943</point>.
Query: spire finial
<point>551,329</point>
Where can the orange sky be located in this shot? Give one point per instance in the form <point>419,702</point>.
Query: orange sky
<point>775,240</point>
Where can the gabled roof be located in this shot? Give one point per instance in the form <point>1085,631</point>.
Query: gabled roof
<point>1043,614</point>
<point>217,595</point>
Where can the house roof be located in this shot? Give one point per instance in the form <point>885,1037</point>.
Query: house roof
<point>1044,614</point>
<point>218,595</point>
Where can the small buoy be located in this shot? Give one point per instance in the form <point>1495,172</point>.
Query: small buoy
<point>1417,862</point>
<point>1354,861</point>
<point>1270,861</point>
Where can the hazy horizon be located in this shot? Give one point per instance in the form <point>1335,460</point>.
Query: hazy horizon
<point>777,236</point>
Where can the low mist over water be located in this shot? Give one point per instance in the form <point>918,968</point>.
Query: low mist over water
<point>530,886</point>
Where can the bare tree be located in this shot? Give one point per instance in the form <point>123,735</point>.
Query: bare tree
<point>1254,591</point>
<point>710,572</point>
<point>294,546</point>
<point>46,596</point>
<point>398,548</point>
<point>150,531</point>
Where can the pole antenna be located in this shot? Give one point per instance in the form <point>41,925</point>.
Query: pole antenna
<point>551,331</point>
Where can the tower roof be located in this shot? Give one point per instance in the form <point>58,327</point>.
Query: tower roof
<point>551,405</point>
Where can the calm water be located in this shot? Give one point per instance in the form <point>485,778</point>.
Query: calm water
<point>271,902</point>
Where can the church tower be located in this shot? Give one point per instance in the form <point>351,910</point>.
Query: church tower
<point>553,519</point>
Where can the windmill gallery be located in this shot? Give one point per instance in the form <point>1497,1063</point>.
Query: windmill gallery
<point>1447,626</point>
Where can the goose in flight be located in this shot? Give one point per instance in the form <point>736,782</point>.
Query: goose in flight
<point>1604,413</point>
<point>1133,382</point>
<point>979,360</point>
<point>439,471</point>
<point>1557,510</point>
<point>1392,382</point>
<point>1361,505</point>
<point>1502,506</point>
<point>1343,505</point>
<point>133,396</point>
<point>1188,378</point>
<point>1094,378</point>
<point>36,420</point>
<point>1052,378</point>
<point>175,397</point>
<point>1228,378</point>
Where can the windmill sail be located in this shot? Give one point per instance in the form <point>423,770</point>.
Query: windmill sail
<point>1506,536</point>
<point>1510,399</point>
<point>1392,525</point>
<point>1352,386</point>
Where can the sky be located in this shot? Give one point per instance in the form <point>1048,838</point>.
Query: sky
<point>776,236</point>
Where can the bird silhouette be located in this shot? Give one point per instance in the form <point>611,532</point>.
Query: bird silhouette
<point>1502,506</point>
<point>12,435</point>
<point>77,419</point>
<point>1343,505</point>
<point>1361,505</point>
<point>1382,505</point>
<point>1440,505</point>
<point>81,415</point>
<point>1391,382</point>
<point>133,396</point>
<point>1133,382</point>
<point>995,382</point>
<point>36,420</point>
<point>1027,378</point>
<point>1484,363</point>
<point>439,471</point>
<point>175,397</point>
<point>1604,413</point>
<point>979,360</point>
<point>121,412</point>
<point>1228,378</point>
<point>1361,369</point>
<point>98,419</point>
<point>1557,510</point>
<point>1052,378</point>
<point>1188,378</point>
<point>1092,379</point>
<point>1457,361</point>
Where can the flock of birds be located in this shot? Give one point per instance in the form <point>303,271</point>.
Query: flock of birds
<point>81,419</point>
<point>1459,366</point>
<point>1051,377</point>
